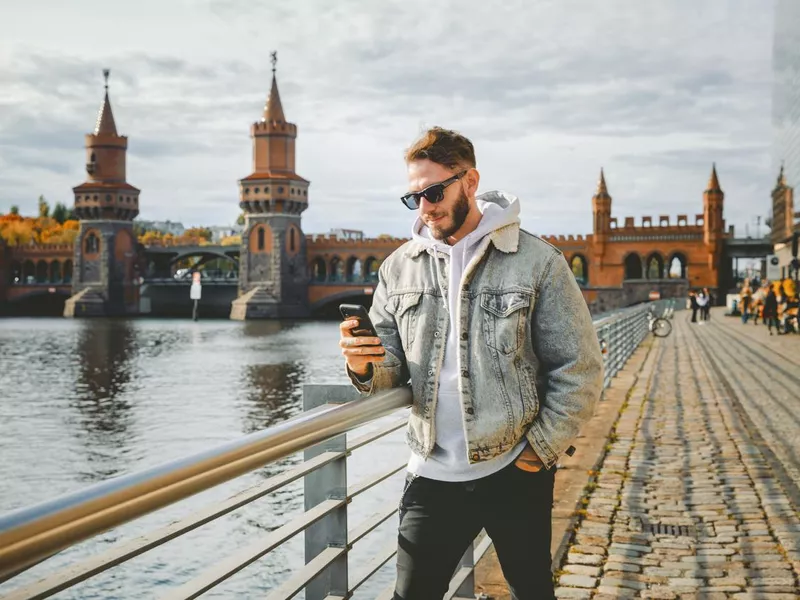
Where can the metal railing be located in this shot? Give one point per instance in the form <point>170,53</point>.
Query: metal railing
<point>31,535</point>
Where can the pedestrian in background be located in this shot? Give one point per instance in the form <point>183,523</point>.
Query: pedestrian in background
<point>771,310</point>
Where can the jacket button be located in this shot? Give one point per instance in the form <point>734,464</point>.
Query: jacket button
<point>430,371</point>
<point>436,334</point>
<point>465,374</point>
<point>476,457</point>
<point>464,336</point>
<point>470,411</point>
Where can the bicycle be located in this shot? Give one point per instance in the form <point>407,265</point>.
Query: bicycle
<point>658,326</point>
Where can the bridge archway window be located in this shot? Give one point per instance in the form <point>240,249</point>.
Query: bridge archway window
<point>28,272</point>
<point>655,266</point>
<point>15,273</point>
<point>633,266</point>
<point>41,272</point>
<point>55,271</point>
<point>91,244</point>
<point>67,274</point>
<point>354,269</point>
<point>319,270</point>
<point>260,235</point>
<point>371,266</point>
<point>337,269</point>
<point>677,267</point>
<point>580,269</point>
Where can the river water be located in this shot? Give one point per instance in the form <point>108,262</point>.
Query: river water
<point>85,400</point>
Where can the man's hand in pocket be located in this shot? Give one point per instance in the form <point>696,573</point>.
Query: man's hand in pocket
<point>529,460</point>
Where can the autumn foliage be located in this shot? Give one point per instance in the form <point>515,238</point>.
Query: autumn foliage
<point>194,236</point>
<point>17,230</point>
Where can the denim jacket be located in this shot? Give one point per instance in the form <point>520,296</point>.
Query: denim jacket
<point>530,360</point>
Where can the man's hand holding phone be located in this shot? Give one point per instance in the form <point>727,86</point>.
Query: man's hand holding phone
<point>361,347</point>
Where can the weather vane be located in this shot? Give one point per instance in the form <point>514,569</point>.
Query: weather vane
<point>274,58</point>
<point>106,73</point>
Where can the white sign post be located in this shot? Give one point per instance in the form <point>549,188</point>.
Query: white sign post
<point>195,292</point>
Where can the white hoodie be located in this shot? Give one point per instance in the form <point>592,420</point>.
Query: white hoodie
<point>449,461</point>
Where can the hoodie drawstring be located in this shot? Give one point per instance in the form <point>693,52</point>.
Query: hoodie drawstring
<point>437,277</point>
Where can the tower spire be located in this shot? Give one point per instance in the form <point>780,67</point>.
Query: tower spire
<point>105,118</point>
<point>273,110</point>
<point>781,177</point>
<point>713,181</point>
<point>602,189</point>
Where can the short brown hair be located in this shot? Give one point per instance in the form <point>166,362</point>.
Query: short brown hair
<point>444,147</point>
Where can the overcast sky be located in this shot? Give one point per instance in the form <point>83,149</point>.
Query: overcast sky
<point>548,90</point>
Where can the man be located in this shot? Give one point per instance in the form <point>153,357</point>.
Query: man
<point>489,325</point>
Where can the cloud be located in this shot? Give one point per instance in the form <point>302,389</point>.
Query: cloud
<point>548,91</point>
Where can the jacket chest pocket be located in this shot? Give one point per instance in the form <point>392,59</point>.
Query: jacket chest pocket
<point>504,318</point>
<point>405,309</point>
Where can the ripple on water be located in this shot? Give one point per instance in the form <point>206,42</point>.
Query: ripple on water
<point>82,401</point>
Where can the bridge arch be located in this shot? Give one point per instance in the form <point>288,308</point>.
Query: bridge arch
<point>655,266</point>
<point>41,271</point>
<point>28,272</point>
<point>336,272</point>
<point>678,266</point>
<point>15,273</point>
<point>319,270</point>
<point>355,269</point>
<point>67,273</point>
<point>371,266</point>
<point>580,269</point>
<point>633,266</point>
<point>55,271</point>
<point>39,301</point>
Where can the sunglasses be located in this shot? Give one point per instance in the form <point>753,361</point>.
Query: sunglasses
<point>433,193</point>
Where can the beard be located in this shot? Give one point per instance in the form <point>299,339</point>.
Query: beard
<point>453,219</point>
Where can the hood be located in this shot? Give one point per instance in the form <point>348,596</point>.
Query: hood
<point>498,209</point>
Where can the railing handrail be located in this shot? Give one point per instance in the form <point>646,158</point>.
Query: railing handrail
<point>32,534</point>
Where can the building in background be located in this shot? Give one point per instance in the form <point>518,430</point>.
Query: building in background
<point>785,128</point>
<point>172,227</point>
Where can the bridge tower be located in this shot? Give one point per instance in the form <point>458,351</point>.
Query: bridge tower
<point>601,209</point>
<point>105,264</point>
<point>713,221</point>
<point>273,278</point>
<point>782,210</point>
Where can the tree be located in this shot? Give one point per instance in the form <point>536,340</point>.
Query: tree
<point>44,207</point>
<point>61,213</point>
<point>14,209</point>
<point>231,240</point>
<point>240,220</point>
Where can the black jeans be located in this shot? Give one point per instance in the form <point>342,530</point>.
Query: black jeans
<point>438,520</point>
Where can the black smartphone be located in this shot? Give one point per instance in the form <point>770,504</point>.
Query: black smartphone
<point>356,311</point>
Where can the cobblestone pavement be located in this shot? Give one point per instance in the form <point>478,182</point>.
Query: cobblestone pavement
<point>685,504</point>
<point>752,362</point>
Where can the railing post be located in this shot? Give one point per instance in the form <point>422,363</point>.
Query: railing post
<point>328,482</point>
<point>467,587</point>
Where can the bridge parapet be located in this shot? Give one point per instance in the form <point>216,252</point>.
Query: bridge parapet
<point>331,240</point>
<point>42,251</point>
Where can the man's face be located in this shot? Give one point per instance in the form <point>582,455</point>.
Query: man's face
<point>444,218</point>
